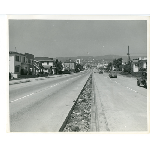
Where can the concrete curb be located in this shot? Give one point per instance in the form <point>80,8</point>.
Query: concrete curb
<point>94,127</point>
<point>18,82</point>
<point>31,79</point>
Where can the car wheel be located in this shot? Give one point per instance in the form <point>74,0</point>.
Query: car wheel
<point>138,83</point>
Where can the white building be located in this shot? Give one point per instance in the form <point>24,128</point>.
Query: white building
<point>142,63</point>
<point>78,61</point>
<point>47,63</point>
<point>17,61</point>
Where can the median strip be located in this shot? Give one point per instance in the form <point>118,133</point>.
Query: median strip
<point>79,117</point>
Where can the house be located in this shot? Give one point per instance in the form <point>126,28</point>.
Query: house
<point>47,63</point>
<point>17,63</point>
<point>139,64</point>
<point>30,61</point>
<point>78,61</point>
<point>142,63</point>
<point>135,65</point>
<point>69,64</point>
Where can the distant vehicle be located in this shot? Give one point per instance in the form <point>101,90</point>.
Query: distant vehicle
<point>142,80</point>
<point>100,72</point>
<point>113,74</point>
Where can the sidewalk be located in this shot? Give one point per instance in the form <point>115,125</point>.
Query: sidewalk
<point>19,81</point>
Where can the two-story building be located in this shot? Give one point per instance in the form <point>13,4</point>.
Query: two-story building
<point>17,62</point>
<point>69,65</point>
<point>139,64</point>
<point>142,63</point>
<point>21,64</point>
<point>135,65</point>
<point>47,64</point>
<point>30,61</point>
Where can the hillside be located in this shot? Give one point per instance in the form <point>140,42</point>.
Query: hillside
<point>105,57</point>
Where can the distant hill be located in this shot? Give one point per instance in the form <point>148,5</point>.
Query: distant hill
<point>105,57</point>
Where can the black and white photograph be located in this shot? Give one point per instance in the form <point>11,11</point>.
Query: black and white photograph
<point>78,74</point>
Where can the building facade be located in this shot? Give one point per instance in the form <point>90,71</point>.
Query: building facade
<point>47,63</point>
<point>139,64</point>
<point>30,61</point>
<point>78,61</point>
<point>21,64</point>
<point>134,66</point>
<point>69,65</point>
<point>17,62</point>
<point>142,63</point>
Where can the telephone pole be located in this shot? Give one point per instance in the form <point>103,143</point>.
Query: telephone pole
<point>128,55</point>
<point>15,49</point>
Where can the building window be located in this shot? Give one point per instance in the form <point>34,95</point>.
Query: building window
<point>17,58</point>
<point>17,68</point>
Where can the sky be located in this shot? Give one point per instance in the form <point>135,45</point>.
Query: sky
<point>71,38</point>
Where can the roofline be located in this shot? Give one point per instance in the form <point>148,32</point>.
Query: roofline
<point>11,52</point>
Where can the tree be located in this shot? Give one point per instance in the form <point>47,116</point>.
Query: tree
<point>58,65</point>
<point>109,67</point>
<point>117,63</point>
<point>78,68</point>
<point>127,68</point>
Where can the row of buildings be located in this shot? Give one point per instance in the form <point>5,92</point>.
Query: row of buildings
<point>137,64</point>
<point>27,64</point>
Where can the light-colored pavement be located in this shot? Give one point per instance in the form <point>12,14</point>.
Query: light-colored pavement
<point>27,80</point>
<point>121,104</point>
<point>43,106</point>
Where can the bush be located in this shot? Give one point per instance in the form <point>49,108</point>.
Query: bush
<point>127,68</point>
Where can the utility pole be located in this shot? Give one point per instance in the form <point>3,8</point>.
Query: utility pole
<point>15,49</point>
<point>128,55</point>
<point>129,61</point>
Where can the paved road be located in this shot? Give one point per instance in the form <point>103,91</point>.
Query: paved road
<point>42,106</point>
<point>121,104</point>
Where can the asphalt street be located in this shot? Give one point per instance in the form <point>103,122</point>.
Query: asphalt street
<point>42,106</point>
<point>121,104</point>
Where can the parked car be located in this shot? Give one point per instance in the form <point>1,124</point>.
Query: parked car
<point>142,80</point>
<point>113,74</point>
<point>100,72</point>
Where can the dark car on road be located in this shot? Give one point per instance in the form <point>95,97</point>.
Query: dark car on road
<point>113,74</point>
<point>142,80</point>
